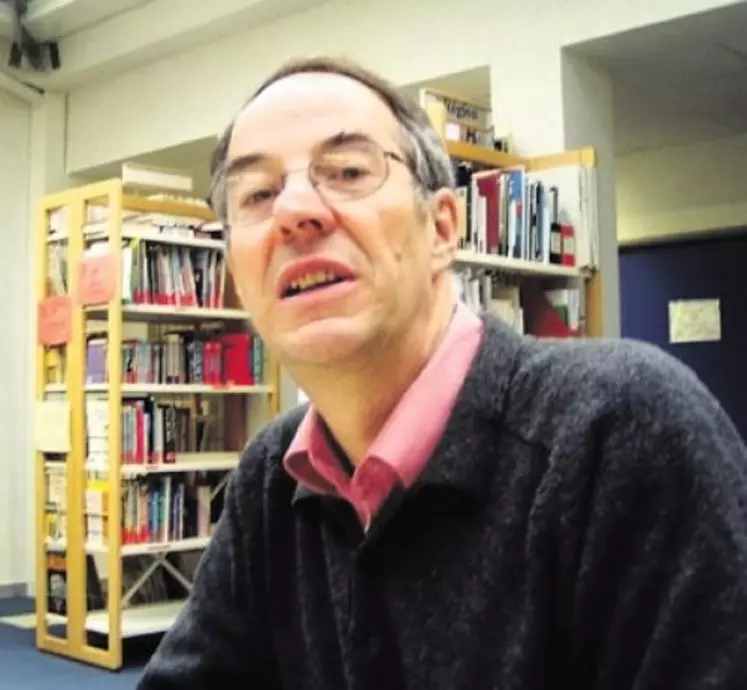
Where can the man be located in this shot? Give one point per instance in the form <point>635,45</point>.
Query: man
<point>458,507</point>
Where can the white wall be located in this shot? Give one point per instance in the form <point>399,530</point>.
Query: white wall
<point>16,350</point>
<point>588,116</point>
<point>681,190</point>
<point>191,95</point>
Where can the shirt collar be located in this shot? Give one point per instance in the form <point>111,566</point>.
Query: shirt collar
<point>477,415</point>
<point>441,377</point>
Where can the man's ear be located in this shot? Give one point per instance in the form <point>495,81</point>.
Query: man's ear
<point>447,222</point>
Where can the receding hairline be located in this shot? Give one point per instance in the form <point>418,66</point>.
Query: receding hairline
<point>265,93</point>
<point>399,105</point>
<point>318,75</point>
<point>394,128</point>
<point>339,67</point>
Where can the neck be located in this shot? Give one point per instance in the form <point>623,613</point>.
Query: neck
<point>355,401</point>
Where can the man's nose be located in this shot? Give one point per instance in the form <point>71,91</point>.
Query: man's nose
<point>300,212</point>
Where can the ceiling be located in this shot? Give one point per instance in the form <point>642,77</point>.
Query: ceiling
<point>677,82</point>
<point>55,19</point>
<point>100,38</point>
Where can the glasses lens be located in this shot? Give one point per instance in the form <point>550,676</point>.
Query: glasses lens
<point>251,193</point>
<point>351,170</point>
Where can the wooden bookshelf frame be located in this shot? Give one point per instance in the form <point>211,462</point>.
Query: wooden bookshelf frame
<point>464,151</point>
<point>112,195</point>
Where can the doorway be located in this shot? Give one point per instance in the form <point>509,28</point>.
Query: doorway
<point>713,268</point>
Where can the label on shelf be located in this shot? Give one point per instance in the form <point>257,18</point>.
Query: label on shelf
<point>97,279</point>
<point>54,320</point>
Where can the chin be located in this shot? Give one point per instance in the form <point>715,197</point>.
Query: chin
<point>324,341</point>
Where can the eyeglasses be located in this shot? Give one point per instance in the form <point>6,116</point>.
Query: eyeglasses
<point>345,171</point>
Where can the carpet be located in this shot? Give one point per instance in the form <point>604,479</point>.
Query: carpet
<point>26,668</point>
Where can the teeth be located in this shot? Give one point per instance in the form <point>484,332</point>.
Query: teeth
<point>311,279</point>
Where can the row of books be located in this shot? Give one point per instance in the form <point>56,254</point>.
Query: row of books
<point>168,275</point>
<point>152,272</point>
<point>528,308</point>
<point>484,292</point>
<point>155,510</point>
<point>152,432</point>
<point>55,514</point>
<point>201,357</point>
<point>57,278</point>
<point>542,216</point>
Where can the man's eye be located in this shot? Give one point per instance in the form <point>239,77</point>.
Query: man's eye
<point>351,173</point>
<point>344,173</point>
<point>256,197</point>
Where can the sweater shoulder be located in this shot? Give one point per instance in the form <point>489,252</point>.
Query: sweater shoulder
<point>568,384</point>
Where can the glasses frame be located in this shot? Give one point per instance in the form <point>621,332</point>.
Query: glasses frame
<point>386,156</point>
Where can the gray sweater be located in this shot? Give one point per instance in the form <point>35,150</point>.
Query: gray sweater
<point>582,524</point>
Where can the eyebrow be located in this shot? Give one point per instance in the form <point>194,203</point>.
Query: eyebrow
<point>248,160</point>
<point>243,162</point>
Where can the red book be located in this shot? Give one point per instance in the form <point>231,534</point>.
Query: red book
<point>540,319</point>
<point>487,186</point>
<point>237,359</point>
<point>213,364</point>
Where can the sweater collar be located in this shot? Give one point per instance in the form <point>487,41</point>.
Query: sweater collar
<point>458,462</point>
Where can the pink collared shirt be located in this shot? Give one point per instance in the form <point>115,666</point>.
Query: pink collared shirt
<point>404,445</point>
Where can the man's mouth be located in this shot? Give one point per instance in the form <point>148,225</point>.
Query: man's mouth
<point>314,280</point>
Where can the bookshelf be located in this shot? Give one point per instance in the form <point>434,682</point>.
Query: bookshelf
<point>529,241</point>
<point>149,382</point>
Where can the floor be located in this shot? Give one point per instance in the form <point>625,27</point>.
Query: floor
<point>26,668</point>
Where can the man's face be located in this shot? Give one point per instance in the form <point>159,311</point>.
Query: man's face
<point>383,249</point>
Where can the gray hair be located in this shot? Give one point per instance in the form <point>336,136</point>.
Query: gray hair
<point>426,156</point>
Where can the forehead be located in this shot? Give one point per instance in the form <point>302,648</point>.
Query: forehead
<point>298,112</point>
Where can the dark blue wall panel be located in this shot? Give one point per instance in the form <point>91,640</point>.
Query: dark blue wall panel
<point>650,277</point>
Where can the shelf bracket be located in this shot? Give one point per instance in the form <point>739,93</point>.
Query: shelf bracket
<point>158,561</point>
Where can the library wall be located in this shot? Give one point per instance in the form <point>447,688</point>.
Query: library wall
<point>16,489</point>
<point>207,81</point>
<point>681,190</point>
